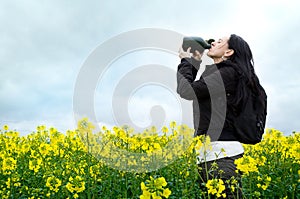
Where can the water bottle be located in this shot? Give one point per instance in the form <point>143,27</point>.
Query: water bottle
<point>196,43</point>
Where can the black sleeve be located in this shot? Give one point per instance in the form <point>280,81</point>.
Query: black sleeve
<point>186,75</point>
<point>211,84</point>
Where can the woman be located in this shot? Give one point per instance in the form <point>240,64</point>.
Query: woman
<point>217,96</point>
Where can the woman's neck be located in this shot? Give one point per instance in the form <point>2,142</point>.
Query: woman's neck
<point>218,60</point>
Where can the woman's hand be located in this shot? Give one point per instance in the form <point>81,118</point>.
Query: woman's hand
<point>197,55</point>
<point>184,54</point>
<point>187,54</point>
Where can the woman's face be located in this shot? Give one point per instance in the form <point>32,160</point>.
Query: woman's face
<point>218,48</point>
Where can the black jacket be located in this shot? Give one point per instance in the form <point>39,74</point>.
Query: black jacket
<point>212,96</point>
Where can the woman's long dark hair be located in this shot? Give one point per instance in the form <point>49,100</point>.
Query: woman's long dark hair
<point>244,64</point>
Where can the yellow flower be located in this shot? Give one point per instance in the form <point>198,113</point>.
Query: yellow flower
<point>215,187</point>
<point>258,185</point>
<point>9,164</point>
<point>156,146</point>
<point>145,195</point>
<point>145,146</point>
<point>44,149</point>
<point>35,164</point>
<point>160,182</point>
<point>154,188</point>
<point>8,183</point>
<point>246,164</point>
<point>143,186</point>
<point>223,151</point>
<point>52,130</point>
<point>94,171</point>
<point>259,178</point>
<point>264,187</point>
<point>166,193</point>
<point>153,129</point>
<point>165,129</point>
<point>85,126</point>
<point>76,185</point>
<point>5,127</point>
<point>53,183</point>
<point>173,125</point>
<point>199,143</point>
<point>232,188</point>
<point>155,196</point>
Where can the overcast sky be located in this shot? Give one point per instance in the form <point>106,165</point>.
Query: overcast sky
<point>43,45</point>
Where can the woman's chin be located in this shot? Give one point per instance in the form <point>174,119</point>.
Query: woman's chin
<point>209,54</point>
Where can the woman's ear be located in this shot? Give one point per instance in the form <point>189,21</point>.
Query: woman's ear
<point>228,53</point>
